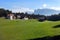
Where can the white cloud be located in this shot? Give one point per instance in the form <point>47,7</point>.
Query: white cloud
<point>17,8</point>
<point>20,9</point>
<point>47,6</point>
<point>55,8</point>
<point>44,5</point>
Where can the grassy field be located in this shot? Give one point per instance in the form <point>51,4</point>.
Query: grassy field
<point>27,29</point>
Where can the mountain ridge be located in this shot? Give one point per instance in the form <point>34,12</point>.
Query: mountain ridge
<point>46,11</point>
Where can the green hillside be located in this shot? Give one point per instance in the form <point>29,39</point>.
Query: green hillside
<point>27,29</point>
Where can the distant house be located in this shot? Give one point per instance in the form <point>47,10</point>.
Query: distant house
<point>18,16</point>
<point>25,18</point>
<point>41,19</point>
<point>11,16</point>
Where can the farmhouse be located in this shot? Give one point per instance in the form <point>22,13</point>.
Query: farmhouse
<point>25,18</point>
<point>11,16</point>
<point>42,18</point>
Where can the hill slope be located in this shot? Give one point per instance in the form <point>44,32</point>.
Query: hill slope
<point>26,29</point>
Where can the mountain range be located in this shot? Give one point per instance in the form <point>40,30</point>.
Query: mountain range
<point>46,11</point>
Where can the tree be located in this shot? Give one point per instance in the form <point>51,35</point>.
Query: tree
<point>3,12</point>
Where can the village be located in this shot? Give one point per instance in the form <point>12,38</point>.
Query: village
<point>7,14</point>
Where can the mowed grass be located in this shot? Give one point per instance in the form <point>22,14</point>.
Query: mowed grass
<point>27,29</point>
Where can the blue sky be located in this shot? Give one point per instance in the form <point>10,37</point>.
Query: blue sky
<point>29,4</point>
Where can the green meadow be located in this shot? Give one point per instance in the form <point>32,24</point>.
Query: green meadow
<point>27,29</point>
